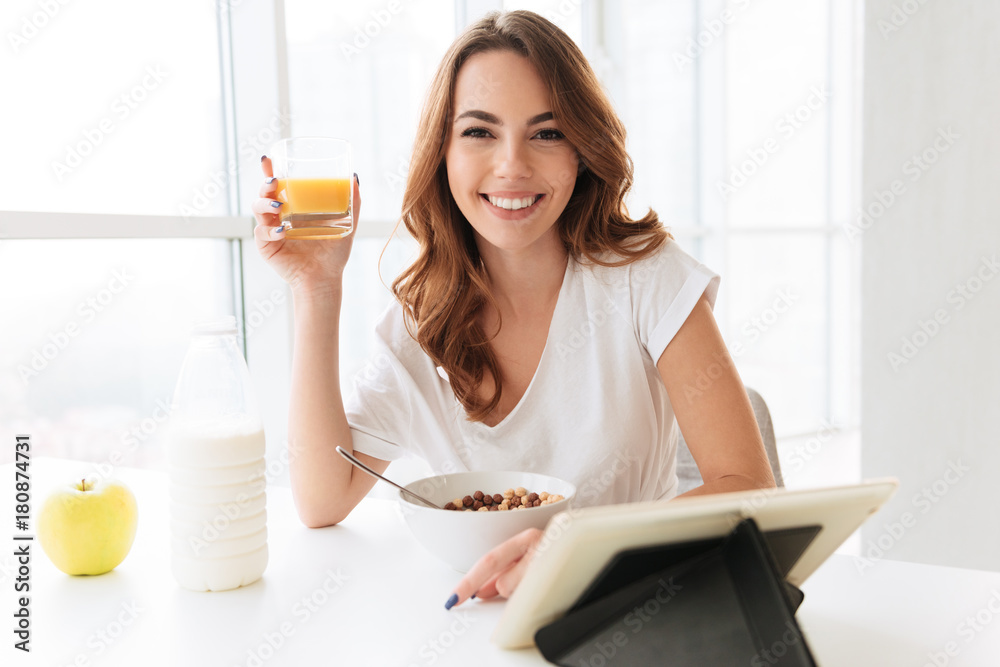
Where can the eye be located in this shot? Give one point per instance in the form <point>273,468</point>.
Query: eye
<point>550,135</point>
<point>476,133</point>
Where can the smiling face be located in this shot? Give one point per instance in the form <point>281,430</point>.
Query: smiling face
<point>510,169</point>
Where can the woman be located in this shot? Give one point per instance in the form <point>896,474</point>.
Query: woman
<point>540,328</point>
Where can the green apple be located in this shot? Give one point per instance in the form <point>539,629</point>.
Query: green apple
<point>88,527</point>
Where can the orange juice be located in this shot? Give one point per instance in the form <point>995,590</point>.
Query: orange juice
<point>315,195</point>
<point>316,208</point>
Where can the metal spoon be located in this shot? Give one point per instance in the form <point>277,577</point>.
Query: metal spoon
<point>371,472</point>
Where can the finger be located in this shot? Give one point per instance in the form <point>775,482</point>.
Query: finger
<point>512,576</point>
<point>269,187</point>
<point>270,182</point>
<point>269,209</point>
<point>489,590</point>
<point>503,583</point>
<point>264,234</point>
<point>493,562</point>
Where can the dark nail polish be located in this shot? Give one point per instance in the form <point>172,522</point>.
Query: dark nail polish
<point>276,204</point>
<point>473,597</point>
<point>270,180</point>
<point>356,178</point>
<point>262,157</point>
<point>451,601</point>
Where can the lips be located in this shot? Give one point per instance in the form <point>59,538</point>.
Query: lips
<point>512,203</point>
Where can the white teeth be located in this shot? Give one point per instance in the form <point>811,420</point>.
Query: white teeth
<point>513,204</point>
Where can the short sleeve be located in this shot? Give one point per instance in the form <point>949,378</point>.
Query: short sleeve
<point>664,289</point>
<point>377,409</point>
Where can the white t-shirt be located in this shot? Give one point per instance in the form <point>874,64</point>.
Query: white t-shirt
<point>596,412</point>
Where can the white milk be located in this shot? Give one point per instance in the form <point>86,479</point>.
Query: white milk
<point>217,504</point>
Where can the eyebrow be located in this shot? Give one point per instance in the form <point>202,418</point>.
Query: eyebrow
<point>487,117</point>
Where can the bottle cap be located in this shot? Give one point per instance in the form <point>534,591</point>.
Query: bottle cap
<point>217,326</point>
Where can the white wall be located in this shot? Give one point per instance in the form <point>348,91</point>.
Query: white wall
<point>929,417</point>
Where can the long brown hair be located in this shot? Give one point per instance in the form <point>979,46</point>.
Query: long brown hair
<point>444,289</point>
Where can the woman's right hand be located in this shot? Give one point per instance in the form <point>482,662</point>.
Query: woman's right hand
<point>499,571</point>
<point>305,264</point>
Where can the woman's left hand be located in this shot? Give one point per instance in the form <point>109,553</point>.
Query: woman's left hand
<point>499,571</point>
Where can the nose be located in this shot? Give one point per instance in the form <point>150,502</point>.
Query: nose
<point>512,162</point>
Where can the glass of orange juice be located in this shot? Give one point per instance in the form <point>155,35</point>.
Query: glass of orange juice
<point>315,180</point>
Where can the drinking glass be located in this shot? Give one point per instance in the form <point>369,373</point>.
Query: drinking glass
<point>315,180</point>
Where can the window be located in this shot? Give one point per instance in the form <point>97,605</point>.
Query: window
<point>117,233</point>
<point>742,146</point>
<point>132,178</point>
<point>94,337</point>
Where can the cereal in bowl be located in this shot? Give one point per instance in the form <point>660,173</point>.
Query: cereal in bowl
<point>511,499</point>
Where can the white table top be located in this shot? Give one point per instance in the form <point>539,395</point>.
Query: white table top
<point>365,593</point>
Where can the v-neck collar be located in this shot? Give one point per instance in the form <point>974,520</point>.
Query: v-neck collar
<point>541,360</point>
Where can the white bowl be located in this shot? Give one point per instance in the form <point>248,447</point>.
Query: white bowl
<point>461,538</point>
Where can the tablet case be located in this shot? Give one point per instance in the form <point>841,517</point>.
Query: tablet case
<point>708,602</point>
